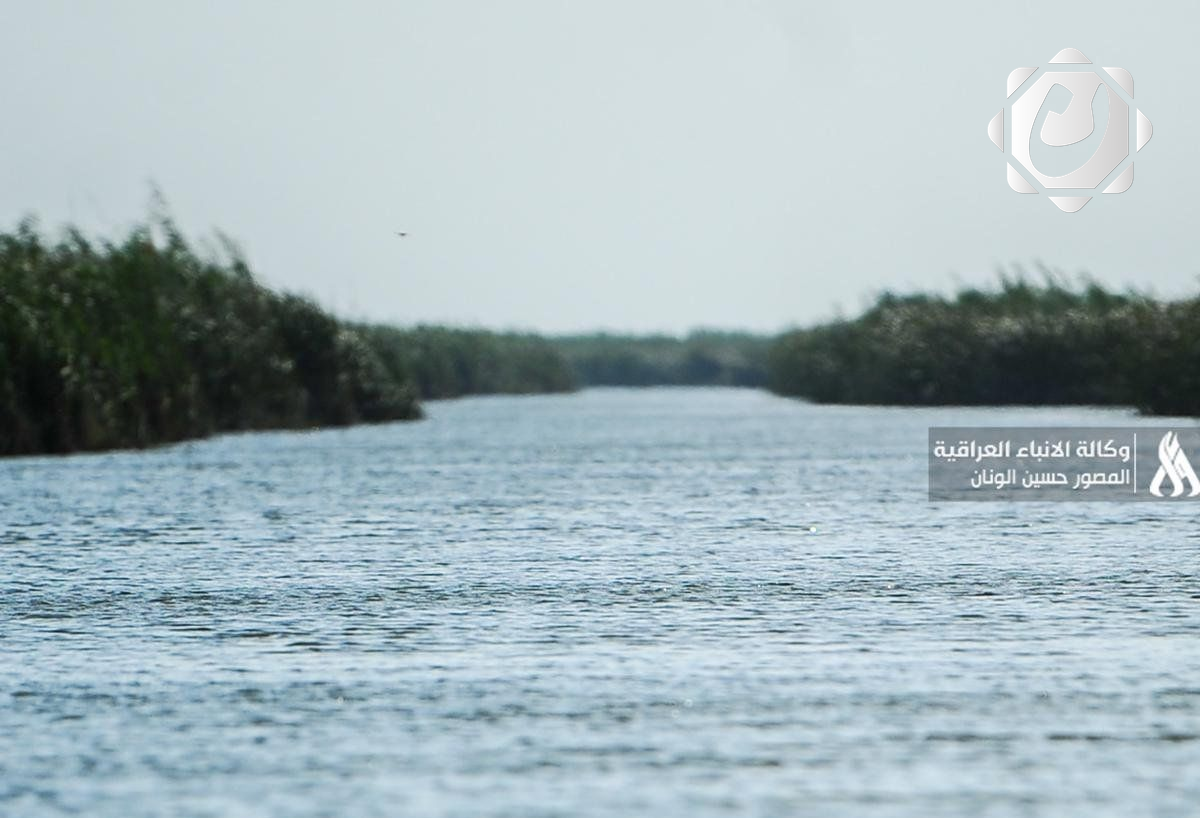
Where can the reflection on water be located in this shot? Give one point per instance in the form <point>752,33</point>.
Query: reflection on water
<point>670,602</point>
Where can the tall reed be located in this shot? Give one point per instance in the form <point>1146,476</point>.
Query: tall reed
<point>1021,343</point>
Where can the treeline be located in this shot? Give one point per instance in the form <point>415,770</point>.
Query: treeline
<point>445,362</point>
<point>1021,343</point>
<point>703,358</point>
<point>144,341</point>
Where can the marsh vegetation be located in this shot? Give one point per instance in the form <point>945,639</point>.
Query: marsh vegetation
<point>144,341</point>
<point>701,358</point>
<point>1020,343</point>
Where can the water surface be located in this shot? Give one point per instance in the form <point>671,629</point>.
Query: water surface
<point>671,602</point>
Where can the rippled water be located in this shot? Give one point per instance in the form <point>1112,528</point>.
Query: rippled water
<point>661,602</point>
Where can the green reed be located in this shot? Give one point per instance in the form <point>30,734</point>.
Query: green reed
<point>1021,343</point>
<point>702,358</point>
<point>144,341</point>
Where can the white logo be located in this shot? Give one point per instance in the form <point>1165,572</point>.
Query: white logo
<point>1175,466</point>
<point>1070,126</point>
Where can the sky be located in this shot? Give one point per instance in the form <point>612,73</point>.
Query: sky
<point>628,165</point>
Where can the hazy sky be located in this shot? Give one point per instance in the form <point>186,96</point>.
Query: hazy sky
<point>651,164</point>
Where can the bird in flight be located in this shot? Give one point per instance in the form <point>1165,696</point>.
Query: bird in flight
<point>401,234</point>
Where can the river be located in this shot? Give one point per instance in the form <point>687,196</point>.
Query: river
<point>667,602</point>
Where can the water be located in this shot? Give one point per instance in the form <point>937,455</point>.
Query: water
<point>663,602</point>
